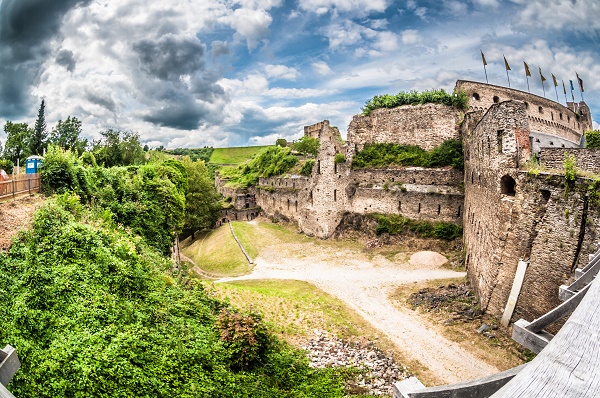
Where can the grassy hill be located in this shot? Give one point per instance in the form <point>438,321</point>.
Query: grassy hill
<point>236,155</point>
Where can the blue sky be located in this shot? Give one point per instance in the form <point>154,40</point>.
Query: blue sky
<point>246,72</point>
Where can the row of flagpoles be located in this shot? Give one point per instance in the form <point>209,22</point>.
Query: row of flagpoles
<point>528,74</point>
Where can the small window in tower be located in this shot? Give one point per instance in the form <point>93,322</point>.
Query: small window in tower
<point>526,105</point>
<point>508,185</point>
<point>496,99</point>
<point>540,109</point>
<point>475,97</point>
<point>560,116</point>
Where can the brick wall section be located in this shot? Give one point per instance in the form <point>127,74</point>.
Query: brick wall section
<point>544,115</point>
<point>587,159</point>
<point>425,125</point>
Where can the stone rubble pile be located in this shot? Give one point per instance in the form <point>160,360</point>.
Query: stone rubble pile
<point>379,371</point>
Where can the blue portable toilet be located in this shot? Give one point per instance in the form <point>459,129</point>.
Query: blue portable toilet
<point>32,164</point>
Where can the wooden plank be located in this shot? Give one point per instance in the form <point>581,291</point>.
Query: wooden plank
<point>535,342</point>
<point>478,388</point>
<point>513,297</point>
<point>558,313</point>
<point>569,366</point>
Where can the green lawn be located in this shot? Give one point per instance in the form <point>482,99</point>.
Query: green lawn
<point>235,155</point>
<point>295,308</point>
<point>217,253</point>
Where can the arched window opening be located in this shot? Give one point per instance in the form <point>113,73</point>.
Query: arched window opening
<point>475,97</point>
<point>508,186</point>
<point>496,99</point>
<point>540,109</point>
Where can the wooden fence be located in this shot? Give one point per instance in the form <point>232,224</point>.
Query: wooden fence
<point>19,184</point>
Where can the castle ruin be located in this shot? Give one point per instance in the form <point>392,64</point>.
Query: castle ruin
<point>508,214</point>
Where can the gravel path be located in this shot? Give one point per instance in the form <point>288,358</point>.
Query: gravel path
<point>364,285</point>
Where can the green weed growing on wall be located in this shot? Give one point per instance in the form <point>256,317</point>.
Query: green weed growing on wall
<point>457,99</point>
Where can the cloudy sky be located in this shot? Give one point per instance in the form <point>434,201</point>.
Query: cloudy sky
<point>190,73</point>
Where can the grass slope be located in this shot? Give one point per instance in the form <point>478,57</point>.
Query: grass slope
<point>236,155</point>
<point>217,253</point>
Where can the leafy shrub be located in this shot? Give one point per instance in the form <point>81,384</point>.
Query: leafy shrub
<point>449,153</point>
<point>307,145</point>
<point>569,166</point>
<point>282,142</point>
<point>92,312</point>
<point>61,172</point>
<point>339,158</point>
<point>7,165</point>
<point>592,139</point>
<point>307,167</point>
<point>245,336</point>
<point>398,225</point>
<point>458,99</point>
<point>274,161</point>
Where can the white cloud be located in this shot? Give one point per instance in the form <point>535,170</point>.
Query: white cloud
<point>347,33</point>
<point>321,68</point>
<point>575,15</point>
<point>486,3</point>
<point>289,93</point>
<point>351,6</point>
<point>386,41</point>
<point>281,72</point>
<point>251,25</point>
<point>410,36</point>
<point>456,7</point>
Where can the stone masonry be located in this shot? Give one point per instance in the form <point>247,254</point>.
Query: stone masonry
<point>507,213</point>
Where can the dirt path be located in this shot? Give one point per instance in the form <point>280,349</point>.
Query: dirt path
<point>16,215</point>
<point>365,285</point>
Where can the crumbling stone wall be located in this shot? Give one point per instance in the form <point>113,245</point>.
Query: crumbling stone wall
<point>587,159</point>
<point>425,125</point>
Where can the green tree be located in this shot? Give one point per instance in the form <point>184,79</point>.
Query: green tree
<point>17,146</point>
<point>118,148</point>
<point>307,145</point>
<point>592,139</point>
<point>39,135</point>
<point>202,200</point>
<point>66,135</point>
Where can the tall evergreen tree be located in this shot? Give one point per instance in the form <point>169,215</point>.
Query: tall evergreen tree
<point>38,140</point>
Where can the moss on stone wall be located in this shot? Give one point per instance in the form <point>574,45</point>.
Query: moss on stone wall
<point>397,225</point>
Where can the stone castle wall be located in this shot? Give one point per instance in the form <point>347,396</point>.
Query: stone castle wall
<point>544,115</point>
<point>507,214</point>
<point>425,125</point>
<point>586,159</point>
<point>512,216</point>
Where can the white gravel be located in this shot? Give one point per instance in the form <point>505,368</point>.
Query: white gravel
<point>364,285</point>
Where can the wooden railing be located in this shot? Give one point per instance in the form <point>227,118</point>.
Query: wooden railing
<point>19,184</point>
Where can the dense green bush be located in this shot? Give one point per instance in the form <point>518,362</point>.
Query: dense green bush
<point>93,312</point>
<point>458,99</point>
<point>194,153</point>
<point>307,145</point>
<point>592,139</point>
<point>7,165</point>
<point>61,172</point>
<point>339,158</point>
<point>449,153</point>
<point>307,167</point>
<point>274,161</point>
<point>398,225</point>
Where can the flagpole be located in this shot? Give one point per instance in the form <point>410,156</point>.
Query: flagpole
<point>527,74</point>
<point>556,91</point>
<point>507,69</point>
<point>526,78</point>
<point>580,81</point>
<point>484,68</point>
<point>565,91</point>
<point>555,85</point>
<point>543,79</point>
